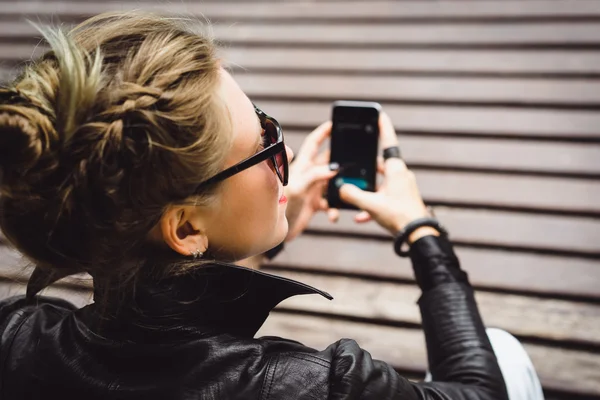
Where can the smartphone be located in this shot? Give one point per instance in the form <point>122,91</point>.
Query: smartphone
<point>354,145</point>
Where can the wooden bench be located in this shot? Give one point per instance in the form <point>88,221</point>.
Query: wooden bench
<point>495,104</point>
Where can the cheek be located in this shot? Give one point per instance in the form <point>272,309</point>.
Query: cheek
<point>250,212</point>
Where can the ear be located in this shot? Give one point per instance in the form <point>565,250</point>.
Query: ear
<point>181,229</point>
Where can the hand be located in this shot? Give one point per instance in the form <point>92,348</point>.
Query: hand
<point>397,201</point>
<point>308,178</point>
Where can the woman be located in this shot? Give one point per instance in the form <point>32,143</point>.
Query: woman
<point>130,154</point>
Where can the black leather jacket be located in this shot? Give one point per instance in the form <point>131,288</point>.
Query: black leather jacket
<point>192,337</point>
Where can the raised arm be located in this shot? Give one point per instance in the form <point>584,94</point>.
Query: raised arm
<point>461,360</point>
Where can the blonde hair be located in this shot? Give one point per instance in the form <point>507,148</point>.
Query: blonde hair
<point>118,121</point>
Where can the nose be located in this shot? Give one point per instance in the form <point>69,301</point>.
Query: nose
<point>289,153</point>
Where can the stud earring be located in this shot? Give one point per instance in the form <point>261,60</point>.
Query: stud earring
<point>197,254</point>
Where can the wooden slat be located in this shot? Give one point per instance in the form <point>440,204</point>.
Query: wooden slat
<point>422,89</point>
<point>497,228</point>
<point>388,61</point>
<point>415,61</point>
<point>439,119</point>
<point>561,369</point>
<point>480,153</point>
<point>490,154</point>
<point>6,74</point>
<point>12,53</point>
<point>394,34</point>
<point>78,298</point>
<point>533,317</point>
<point>324,10</point>
<point>507,270</point>
<point>512,191</point>
<point>561,34</point>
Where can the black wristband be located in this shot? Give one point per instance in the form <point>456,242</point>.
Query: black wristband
<point>413,226</point>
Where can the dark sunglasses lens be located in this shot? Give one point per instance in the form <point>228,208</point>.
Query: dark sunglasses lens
<point>272,137</point>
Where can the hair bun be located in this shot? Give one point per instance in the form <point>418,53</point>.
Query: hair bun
<point>25,134</point>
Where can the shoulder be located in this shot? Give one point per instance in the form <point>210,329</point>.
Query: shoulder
<point>342,370</point>
<point>294,368</point>
<point>355,374</point>
<point>16,311</point>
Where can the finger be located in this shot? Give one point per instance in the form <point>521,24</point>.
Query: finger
<point>323,205</point>
<point>362,217</point>
<point>380,165</point>
<point>387,132</point>
<point>314,140</point>
<point>395,165</point>
<point>333,214</point>
<point>355,196</point>
<point>318,174</point>
<point>323,157</point>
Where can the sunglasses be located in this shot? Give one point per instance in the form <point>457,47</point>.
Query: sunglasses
<point>274,151</point>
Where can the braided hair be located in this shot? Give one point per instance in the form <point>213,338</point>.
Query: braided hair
<point>116,122</point>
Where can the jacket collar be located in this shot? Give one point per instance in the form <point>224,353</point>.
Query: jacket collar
<point>217,297</point>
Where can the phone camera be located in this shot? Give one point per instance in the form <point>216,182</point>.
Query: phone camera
<point>369,128</point>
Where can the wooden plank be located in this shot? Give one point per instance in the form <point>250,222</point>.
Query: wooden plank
<point>534,317</point>
<point>561,34</point>
<point>78,298</point>
<point>421,89</point>
<point>535,193</point>
<point>478,120</point>
<point>531,34</point>
<point>487,268</point>
<point>560,369</point>
<point>490,154</point>
<point>451,61</point>
<point>419,61</point>
<point>322,10</point>
<point>524,192</point>
<point>496,228</point>
<point>5,74</point>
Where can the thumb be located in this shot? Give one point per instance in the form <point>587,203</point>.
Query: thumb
<point>354,195</point>
<point>319,173</point>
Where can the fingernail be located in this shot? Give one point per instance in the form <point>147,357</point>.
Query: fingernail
<point>334,166</point>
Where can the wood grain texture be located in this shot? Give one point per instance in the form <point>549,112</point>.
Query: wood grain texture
<point>567,370</point>
<point>518,155</point>
<point>422,61</point>
<point>495,228</point>
<point>323,10</point>
<point>498,269</point>
<point>561,34</point>
<point>396,61</point>
<point>530,316</point>
<point>439,119</point>
<point>549,319</point>
<point>77,297</point>
<point>421,89</point>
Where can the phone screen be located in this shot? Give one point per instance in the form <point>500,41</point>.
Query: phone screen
<point>354,144</point>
